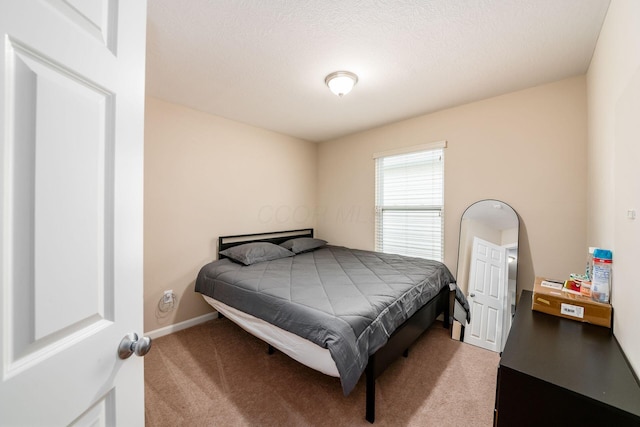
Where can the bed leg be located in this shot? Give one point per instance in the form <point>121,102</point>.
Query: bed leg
<point>371,392</point>
<point>270,349</point>
<point>405,353</point>
<point>446,323</point>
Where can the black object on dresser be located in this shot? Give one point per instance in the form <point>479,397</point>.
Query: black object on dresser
<point>555,371</point>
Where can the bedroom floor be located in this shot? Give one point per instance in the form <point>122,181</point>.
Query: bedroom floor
<point>217,374</point>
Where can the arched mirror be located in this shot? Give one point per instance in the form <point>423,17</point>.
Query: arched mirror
<point>487,270</point>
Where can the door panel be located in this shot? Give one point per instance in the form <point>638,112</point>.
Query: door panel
<point>73,288</point>
<point>487,285</point>
<point>71,211</point>
<point>96,17</point>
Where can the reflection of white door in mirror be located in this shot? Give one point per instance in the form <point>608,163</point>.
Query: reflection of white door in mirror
<point>487,274</point>
<point>487,289</point>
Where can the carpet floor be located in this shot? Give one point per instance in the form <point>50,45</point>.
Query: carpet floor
<point>216,374</point>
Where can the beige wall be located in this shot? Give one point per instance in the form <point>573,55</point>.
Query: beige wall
<point>526,148</point>
<point>613,83</point>
<point>206,176</point>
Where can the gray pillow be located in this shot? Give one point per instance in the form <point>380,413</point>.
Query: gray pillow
<point>303,244</point>
<point>251,253</point>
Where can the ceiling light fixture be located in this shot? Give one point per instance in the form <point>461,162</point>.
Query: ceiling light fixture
<point>341,82</point>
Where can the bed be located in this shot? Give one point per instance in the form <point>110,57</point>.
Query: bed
<point>341,311</point>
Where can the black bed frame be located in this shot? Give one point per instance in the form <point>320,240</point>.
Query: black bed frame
<point>277,237</point>
<point>398,343</point>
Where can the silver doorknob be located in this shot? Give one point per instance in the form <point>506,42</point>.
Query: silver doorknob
<point>472,295</point>
<point>131,344</point>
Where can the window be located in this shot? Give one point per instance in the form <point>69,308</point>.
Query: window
<point>409,202</point>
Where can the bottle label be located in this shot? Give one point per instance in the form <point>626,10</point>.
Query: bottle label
<point>600,276</point>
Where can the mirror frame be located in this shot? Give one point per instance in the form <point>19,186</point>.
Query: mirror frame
<point>495,216</point>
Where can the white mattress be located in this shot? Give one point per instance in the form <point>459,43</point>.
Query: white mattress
<point>296,347</point>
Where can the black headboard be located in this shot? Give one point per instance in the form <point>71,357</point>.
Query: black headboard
<point>275,237</point>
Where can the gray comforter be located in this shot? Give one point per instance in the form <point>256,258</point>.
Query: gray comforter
<point>348,301</point>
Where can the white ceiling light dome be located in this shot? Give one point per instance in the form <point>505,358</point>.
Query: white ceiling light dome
<point>341,82</point>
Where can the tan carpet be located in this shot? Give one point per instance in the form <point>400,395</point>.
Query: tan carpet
<point>216,374</point>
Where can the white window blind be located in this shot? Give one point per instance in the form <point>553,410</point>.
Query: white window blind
<point>409,203</point>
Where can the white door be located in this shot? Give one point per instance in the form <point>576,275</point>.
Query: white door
<point>487,288</point>
<point>71,156</point>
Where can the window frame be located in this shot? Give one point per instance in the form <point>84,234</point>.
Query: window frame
<point>380,209</point>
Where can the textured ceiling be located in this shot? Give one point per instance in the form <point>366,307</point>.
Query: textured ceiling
<point>263,62</point>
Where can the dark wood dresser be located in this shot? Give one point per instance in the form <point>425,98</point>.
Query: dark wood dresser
<point>555,371</point>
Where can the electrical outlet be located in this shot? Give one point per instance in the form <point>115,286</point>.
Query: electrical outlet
<point>168,297</point>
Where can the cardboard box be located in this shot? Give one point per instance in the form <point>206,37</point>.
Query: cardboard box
<point>552,300</point>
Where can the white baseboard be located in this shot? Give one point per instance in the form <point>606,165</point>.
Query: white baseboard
<point>181,325</point>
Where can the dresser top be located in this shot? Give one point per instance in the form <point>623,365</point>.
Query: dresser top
<point>580,357</point>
